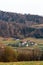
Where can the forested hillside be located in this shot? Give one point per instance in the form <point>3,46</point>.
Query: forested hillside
<point>20,25</point>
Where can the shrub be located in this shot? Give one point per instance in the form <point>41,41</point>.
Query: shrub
<point>9,55</point>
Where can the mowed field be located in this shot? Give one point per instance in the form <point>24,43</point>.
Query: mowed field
<point>24,63</point>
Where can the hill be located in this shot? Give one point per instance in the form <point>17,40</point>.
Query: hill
<point>20,25</point>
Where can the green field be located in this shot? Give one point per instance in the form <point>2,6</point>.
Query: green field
<point>12,41</point>
<point>24,63</point>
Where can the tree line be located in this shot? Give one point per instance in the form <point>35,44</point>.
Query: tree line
<point>9,54</point>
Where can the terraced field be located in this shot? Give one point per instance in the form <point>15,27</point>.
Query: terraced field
<point>24,63</point>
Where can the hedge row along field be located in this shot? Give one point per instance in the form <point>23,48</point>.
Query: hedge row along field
<point>8,54</point>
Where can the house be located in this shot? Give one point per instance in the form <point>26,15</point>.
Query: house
<point>27,45</point>
<point>35,44</point>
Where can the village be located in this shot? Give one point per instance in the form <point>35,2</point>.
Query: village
<point>23,44</point>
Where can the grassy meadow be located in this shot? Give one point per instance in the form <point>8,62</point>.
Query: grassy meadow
<point>24,63</point>
<point>12,40</point>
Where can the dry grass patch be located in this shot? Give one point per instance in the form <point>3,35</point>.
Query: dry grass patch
<point>24,63</point>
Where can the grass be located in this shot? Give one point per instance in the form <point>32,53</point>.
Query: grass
<point>12,40</point>
<point>9,42</point>
<point>24,63</point>
<point>37,26</point>
<point>36,40</point>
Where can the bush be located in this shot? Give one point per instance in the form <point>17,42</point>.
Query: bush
<point>9,55</point>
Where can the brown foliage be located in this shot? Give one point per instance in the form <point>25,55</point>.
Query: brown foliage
<point>8,55</point>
